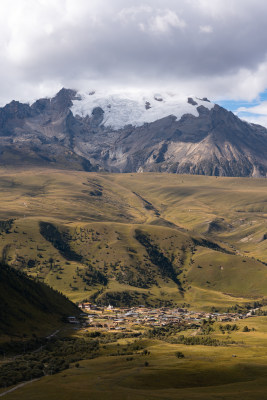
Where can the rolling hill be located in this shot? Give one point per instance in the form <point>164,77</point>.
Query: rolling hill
<point>156,239</point>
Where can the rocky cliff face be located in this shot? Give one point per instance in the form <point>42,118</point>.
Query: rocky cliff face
<point>124,133</point>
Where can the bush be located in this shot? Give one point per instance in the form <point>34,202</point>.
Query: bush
<point>246,329</point>
<point>179,354</point>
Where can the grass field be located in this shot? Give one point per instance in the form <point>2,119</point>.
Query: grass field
<point>88,246</point>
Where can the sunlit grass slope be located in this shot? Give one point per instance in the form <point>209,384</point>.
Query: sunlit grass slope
<point>137,238</point>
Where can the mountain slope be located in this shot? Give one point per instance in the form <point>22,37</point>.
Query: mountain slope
<point>137,238</point>
<point>28,307</point>
<point>40,134</point>
<point>133,132</point>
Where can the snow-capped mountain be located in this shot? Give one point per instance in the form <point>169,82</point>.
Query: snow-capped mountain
<point>136,108</point>
<point>131,132</point>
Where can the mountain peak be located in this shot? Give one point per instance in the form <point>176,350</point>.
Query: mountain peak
<point>63,99</point>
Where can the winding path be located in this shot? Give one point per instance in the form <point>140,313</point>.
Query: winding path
<point>18,386</point>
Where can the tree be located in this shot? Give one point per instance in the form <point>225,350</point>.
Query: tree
<point>51,260</point>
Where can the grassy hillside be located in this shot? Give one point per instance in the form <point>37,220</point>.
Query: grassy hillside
<point>28,307</point>
<point>137,238</point>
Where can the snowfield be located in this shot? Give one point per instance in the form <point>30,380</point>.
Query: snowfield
<point>121,109</point>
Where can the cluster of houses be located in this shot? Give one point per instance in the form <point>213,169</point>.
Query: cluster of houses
<point>110,318</point>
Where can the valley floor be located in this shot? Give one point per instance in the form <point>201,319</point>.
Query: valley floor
<point>154,365</point>
<point>216,357</point>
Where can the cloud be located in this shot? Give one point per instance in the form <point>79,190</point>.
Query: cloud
<point>206,29</point>
<point>164,21</point>
<point>151,20</point>
<point>211,48</point>
<point>256,119</point>
<point>133,13</point>
<point>256,114</point>
<point>260,109</point>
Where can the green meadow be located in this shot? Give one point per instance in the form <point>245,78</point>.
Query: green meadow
<point>155,239</point>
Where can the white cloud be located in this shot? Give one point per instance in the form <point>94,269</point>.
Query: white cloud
<point>150,19</point>
<point>258,109</point>
<point>220,9</point>
<point>255,114</point>
<point>259,120</point>
<point>165,20</point>
<point>133,12</point>
<point>206,29</point>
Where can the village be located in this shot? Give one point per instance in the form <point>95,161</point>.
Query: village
<point>120,319</point>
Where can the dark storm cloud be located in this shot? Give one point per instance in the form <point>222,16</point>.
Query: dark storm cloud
<point>217,47</point>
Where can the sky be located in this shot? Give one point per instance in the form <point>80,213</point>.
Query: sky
<point>209,48</point>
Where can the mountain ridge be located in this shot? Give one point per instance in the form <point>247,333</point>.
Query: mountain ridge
<point>188,135</point>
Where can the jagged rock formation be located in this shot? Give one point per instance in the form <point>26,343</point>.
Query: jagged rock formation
<point>120,133</point>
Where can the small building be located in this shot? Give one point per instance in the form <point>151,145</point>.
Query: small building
<point>73,320</point>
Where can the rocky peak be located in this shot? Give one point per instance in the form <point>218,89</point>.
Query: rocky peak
<point>63,99</point>
<point>12,112</point>
<point>15,109</point>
